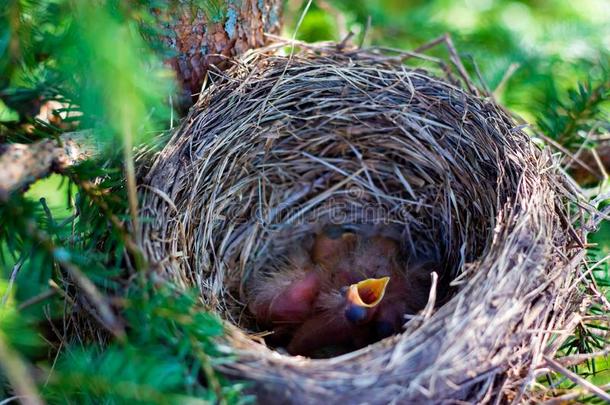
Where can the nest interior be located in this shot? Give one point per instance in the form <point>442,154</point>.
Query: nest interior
<point>279,144</point>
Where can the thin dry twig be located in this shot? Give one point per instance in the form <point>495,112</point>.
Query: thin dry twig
<point>108,319</point>
<point>573,394</point>
<point>592,388</point>
<point>576,359</point>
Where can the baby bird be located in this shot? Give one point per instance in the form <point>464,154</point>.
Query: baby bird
<point>340,319</point>
<point>407,294</point>
<point>349,288</point>
<point>356,263</point>
<point>331,246</point>
<point>286,294</point>
<point>375,253</point>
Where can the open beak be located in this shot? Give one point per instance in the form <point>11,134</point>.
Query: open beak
<point>363,298</point>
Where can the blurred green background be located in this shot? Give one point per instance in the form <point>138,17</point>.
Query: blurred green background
<point>548,45</point>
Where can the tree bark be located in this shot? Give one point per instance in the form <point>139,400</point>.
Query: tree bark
<point>210,35</point>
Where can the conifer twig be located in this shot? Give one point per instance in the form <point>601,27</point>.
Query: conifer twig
<point>92,191</point>
<point>110,321</point>
<point>209,372</point>
<point>576,116</point>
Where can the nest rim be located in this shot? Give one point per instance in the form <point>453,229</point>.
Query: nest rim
<point>528,235</point>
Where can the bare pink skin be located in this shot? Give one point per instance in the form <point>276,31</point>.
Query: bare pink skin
<point>295,303</point>
<point>291,304</point>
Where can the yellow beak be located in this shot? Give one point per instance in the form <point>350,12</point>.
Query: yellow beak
<point>367,293</point>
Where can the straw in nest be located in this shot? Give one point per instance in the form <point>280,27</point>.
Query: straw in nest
<point>277,143</point>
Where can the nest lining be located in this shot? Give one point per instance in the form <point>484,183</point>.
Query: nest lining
<point>278,145</point>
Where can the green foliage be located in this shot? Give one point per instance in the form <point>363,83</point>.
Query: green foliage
<point>165,360</point>
<point>14,324</point>
<point>569,121</point>
<point>120,85</point>
<point>169,348</point>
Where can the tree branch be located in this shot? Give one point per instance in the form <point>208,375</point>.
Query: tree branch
<point>22,164</point>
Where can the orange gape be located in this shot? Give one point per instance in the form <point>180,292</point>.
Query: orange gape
<point>368,295</point>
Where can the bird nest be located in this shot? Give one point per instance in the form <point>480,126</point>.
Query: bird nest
<point>279,144</point>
